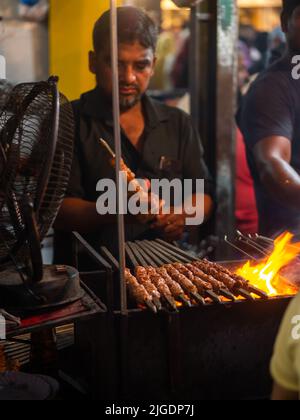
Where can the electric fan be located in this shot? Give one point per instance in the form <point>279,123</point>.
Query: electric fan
<point>36,149</point>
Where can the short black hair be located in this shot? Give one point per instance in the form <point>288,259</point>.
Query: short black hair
<point>288,7</point>
<point>133,25</point>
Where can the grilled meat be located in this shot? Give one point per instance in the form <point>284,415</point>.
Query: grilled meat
<point>174,287</point>
<point>216,284</point>
<point>228,279</point>
<point>144,279</point>
<point>240,280</point>
<point>201,285</point>
<point>184,282</point>
<point>161,285</point>
<point>137,291</point>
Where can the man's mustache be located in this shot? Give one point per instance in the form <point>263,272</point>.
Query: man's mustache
<point>133,87</point>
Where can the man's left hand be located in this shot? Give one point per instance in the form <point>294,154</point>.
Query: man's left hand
<point>170,226</point>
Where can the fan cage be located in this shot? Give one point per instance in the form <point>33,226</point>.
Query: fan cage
<point>36,151</point>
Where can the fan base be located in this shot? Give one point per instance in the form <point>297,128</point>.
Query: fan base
<point>60,286</point>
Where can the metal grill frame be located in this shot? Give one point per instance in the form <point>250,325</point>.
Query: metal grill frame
<point>201,353</point>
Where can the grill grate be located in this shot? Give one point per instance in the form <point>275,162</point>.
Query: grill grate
<point>201,282</point>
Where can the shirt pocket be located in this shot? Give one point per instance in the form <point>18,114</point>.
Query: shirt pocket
<point>170,168</point>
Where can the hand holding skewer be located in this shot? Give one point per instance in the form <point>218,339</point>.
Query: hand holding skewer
<point>150,200</point>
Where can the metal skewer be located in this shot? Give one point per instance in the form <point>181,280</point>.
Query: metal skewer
<point>161,257</point>
<point>131,256</point>
<point>144,260</point>
<point>153,306</point>
<point>107,147</point>
<point>168,260</point>
<point>176,257</point>
<point>238,248</point>
<point>158,259</point>
<point>110,257</point>
<point>135,263</point>
<point>148,259</point>
<point>147,248</point>
<point>264,238</point>
<point>252,244</point>
<point>174,248</point>
<point>245,294</point>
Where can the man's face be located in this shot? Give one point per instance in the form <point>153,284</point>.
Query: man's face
<point>291,27</point>
<point>136,67</point>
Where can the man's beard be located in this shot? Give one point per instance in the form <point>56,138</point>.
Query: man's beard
<point>127,103</point>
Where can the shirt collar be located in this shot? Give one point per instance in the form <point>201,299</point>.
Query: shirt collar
<point>93,104</point>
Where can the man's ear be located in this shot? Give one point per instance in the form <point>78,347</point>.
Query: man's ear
<point>92,62</point>
<point>284,22</point>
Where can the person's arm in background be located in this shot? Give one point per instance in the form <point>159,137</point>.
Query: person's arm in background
<point>268,130</point>
<point>273,158</point>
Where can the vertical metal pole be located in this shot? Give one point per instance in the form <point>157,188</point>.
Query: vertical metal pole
<point>226,82</point>
<point>118,151</point>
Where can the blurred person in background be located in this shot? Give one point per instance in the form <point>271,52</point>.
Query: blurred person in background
<point>245,203</point>
<point>285,364</point>
<point>269,121</point>
<point>247,41</point>
<point>277,45</point>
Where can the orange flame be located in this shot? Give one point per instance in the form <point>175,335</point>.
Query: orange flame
<point>266,275</point>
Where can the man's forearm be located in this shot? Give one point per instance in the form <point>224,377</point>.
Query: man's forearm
<point>81,216</point>
<point>282,181</point>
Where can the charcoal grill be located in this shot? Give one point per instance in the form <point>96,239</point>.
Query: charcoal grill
<point>157,253</point>
<point>219,350</point>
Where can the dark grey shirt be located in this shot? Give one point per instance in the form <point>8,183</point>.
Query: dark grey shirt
<point>272,108</point>
<point>168,133</point>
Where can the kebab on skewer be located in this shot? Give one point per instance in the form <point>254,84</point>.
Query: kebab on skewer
<point>162,287</point>
<point>131,179</point>
<point>204,288</point>
<point>217,286</point>
<point>174,287</point>
<point>144,279</point>
<point>185,283</point>
<point>233,285</point>
<point>138,292</point>
<point>243,282</point>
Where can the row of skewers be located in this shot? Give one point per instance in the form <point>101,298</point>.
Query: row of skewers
<point>187,284</point>
<point>198,282</point>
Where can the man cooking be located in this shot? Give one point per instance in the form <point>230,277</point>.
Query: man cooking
<point>270,122</point>
<point>157,141</point>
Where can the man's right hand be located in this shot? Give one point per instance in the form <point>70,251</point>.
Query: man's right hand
<point>154,205</point>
